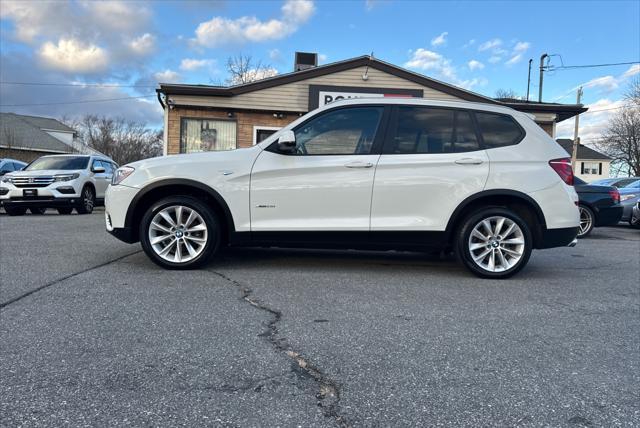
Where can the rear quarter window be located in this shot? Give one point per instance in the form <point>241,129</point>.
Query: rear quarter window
<point>498,130</point>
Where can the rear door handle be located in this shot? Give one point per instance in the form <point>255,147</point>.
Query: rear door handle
<point>469,161</point>
<point>358,164</point>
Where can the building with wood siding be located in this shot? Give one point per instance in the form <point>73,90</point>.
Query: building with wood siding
<point>202,117</point>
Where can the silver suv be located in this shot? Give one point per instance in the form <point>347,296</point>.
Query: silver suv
<point>64,182</point>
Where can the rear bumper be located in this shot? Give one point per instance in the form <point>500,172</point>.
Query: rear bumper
<point>609,215</point>
<point>125,234</point>
<point>558,237</point>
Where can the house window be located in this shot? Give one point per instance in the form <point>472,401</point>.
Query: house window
<point>205,135</point>
<point>591,168</point>
<point>261,133</point>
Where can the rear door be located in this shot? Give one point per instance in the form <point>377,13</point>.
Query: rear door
<point>430,163</point>
<point>326,185</point>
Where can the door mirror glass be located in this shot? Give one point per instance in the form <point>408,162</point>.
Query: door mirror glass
<point>287,142</point>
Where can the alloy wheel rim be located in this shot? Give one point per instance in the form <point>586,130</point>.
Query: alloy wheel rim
<point>496,244</point>
<point>585,221</point>
<point>178,234</point>
<point>88,199</point>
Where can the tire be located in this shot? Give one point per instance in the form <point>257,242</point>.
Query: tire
<point>65,211</point>
<point>204,239</point>
<point>587,220</point>
<point>87,201</point>
<point>38,211</point>
<point>15,211</point>
<point>507,254</point>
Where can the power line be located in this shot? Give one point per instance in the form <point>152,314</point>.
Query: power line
<point>605,109</point>
<point>76,102</point>
<point>78,85</point>
<point>565,67</point>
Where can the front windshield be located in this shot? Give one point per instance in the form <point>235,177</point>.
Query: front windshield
<point>58,162</point>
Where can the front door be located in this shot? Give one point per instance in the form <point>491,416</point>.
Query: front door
<point>431,163</point>
<point>326,184</point>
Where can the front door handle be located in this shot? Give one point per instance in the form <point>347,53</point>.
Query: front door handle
<point>358,164</point>
<point>469,161</point>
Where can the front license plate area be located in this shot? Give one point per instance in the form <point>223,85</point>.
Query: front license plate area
<point>30,193</point>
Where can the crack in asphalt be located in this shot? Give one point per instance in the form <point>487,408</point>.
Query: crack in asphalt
<point>328,390</point>
<point>64,278</point>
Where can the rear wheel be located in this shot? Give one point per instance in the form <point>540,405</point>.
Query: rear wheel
<point>38,211</point>
<point>15,211</point>
<point>65,211</point>
<point>587,221</point>
<point>87,201</point>
<point>179,232</point>
<point>494,243</point>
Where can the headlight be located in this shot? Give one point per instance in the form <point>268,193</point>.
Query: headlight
<point>66,177</point>
<point>121,173</point>
<point>627,197</point>
<point>6,179</point>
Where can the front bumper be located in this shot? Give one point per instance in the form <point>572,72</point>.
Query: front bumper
<point>40,202</point>
<point>117,201</point>
<point>609,216</point>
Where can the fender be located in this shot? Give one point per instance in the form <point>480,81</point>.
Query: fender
<point>179,182</point>
<point>495,192</point>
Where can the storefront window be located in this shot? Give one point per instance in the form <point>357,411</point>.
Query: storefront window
<point>204,135</point>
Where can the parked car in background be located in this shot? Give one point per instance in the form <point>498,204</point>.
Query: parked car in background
<point>616,182</point>
<point>599,206</point>
<point>64,182</point>
<point>629,196</point>
<point>10,165</point>
<point>635,216</point>
<point>383,173</point>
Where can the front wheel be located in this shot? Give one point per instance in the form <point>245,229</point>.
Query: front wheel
<point>179,232</point>
<point>494,243</point>
<point>87,201</point>
<point>587,221</point>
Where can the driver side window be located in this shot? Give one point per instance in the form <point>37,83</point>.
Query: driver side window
<point>347,131</point>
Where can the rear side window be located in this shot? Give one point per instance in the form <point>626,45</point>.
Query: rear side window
<point>433,130</point>
<point>498,130</point>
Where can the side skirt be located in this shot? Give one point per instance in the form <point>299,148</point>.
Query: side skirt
<point>383,240</point>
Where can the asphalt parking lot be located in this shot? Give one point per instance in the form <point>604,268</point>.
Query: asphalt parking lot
<point>92,333</point>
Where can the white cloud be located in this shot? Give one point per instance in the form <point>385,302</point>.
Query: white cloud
<point>191,64</point>
<point>521,46</point>
<point>431,61</point>
<point>73,56</point>
<point>494,59</point>
<point>490,44</point>
<point>143,45</point>
<point>471,83</point>
<point>322,58</point>
<point>116,15</point>
<point>439,40</point>
<point>219,30</point>
<point>605,83</point>
<point>275,55</point>
<point>167,76</point>
<point>469,43</point>
<point>514,59</point>
<point>632,71</point>
<point>592,124</point>
<point>475,65</point>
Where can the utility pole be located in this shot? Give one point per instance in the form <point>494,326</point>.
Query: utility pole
<point>576,139</point>
<point>541,76</point>
<point>529,78</point>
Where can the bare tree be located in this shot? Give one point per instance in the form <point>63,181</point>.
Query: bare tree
<point>507,94</point>
<point>621,139</point>
<point>122,140</point>
<point>242,69</point>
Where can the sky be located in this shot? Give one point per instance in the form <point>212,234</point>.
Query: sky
<point>59,58</point>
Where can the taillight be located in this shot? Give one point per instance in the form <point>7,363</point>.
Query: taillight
<point>615,195</point>
<point>563,167</point>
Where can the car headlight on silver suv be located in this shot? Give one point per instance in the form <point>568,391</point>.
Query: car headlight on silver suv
<point>6,179</point>
<point>66,177</point>
<point>121,173</point>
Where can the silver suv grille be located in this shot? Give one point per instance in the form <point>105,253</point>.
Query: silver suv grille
<point>43,181</point>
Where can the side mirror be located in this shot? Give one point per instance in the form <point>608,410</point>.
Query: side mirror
<point>98,169</point>
<point>287,142</point>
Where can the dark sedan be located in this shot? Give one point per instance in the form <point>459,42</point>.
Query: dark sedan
<point>599,206</point>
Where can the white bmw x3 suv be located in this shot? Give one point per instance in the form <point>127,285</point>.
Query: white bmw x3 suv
<point>410,174</point>
<point>64,182</point>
